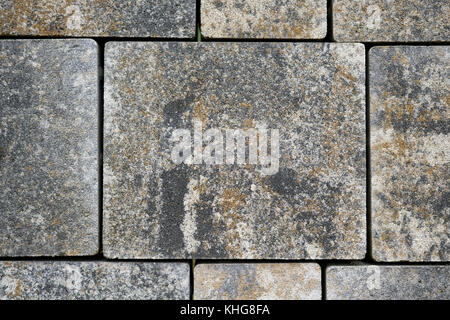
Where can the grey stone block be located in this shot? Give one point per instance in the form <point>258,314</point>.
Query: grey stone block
<point>264,19</point>
<point>262,281</point>
<point>410,152</point>
<point>370,282</point>
<point>310,205</point>
<point>387,20</point>
<point>34,280</point>
<point>48,147</point>
<point>85,18</point>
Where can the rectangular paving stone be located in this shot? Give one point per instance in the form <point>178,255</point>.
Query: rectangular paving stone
<point>388,20</point>
<point>48,147</point>
<point>410,153</point>
<point>32,280</point>
<point>259,281</point>
<point>288,19</point>
<point>371,282</point>
<point>85,18</point>
<point>304,199</point>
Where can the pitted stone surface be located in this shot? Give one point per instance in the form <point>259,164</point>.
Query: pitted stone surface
<point>87,18</point>
<point>387,20</point>
<point>305,19</point>
<point>263,281</point>
<point>93,281</point>
<point>48,147</point>
<point>410,151</point>
<point>370,282</point>
<point>313,207</point>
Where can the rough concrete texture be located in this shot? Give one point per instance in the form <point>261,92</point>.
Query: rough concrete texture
<point>410,153</point>
<point>90,18</point>
<point>48,147</point>
<point>34,280</point>
<point>388,282</point>
<point>294,19</point>
<point>391,20</point>
<point>313,207</point>
<point>264,281</point>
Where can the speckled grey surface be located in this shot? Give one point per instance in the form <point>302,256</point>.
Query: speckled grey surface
<point>48,147</point>
<point>410,153</point>
<point>294,19</point>
<point>312,208</point>
<point>370,282</point>
<point>90,18</point>
<point>34,280</point>
<point>257,281</point>
<point>391,20</point>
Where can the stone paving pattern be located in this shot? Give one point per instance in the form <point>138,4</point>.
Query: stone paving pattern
<point>312,208</point>
<point>269,281</point>
<point>286,19</point>
<point>95,18</point>
<point>48,148</point>
<point>410,153</point>
<point>32,280</point>
<point>388,282</point>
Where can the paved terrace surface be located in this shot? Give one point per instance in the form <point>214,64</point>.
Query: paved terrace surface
<point>224,149</point>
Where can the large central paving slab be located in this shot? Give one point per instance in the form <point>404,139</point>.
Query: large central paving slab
<point>297,189</point>
<point>87,18</point>
<point>48,147</point>
<point>34,280</point>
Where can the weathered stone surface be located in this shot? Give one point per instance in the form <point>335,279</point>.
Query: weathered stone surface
<point>86,18</point>
<point>410,153</point>
<point>388,282</point>
<point>313,206</point>
<point>93,281</point>
<point>263,281</point>
<point>48,147</point>
<point>305,19</point>
<point>387,20</point>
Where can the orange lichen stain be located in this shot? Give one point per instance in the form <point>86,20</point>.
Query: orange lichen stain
<point>200,111</point>
<point>18,290</point>
<point>346,75</point>
<point>245,105</point>
<point>400,58</point>
<point>247,123</point>
<point>296,32</point>
<point>201,188</point>
<point>402,146</point>
<point>232,199</point>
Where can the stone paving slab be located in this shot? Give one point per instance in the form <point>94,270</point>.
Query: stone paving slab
<point>85,18</point>
<point>48,147</point>
<point>34,280</point>
<point>410,152</point>
<point>371,282</point>
<point>259,281</point>
<point>388,20</point>
<point>306,200</point>
<point>287,19</point>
